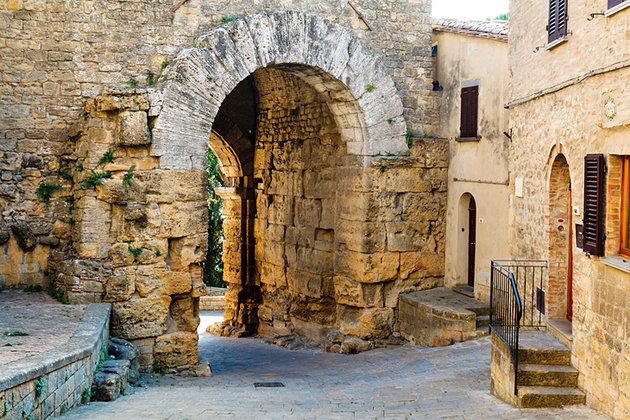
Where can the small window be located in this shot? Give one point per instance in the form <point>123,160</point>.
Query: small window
<point>614,3</point>
<point>557,27</point>
<point>470,103</point>
<point>624,248</point>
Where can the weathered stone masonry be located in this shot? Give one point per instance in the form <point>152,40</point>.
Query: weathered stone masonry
<point>329,216</point>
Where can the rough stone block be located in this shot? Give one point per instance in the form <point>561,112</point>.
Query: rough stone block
<point>352,293</point>
<point>176,349</point>
<point>106,386</point>
<point>140,318</point>
<point>134,129</point>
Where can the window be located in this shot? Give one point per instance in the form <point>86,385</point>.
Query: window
<point>557,27</point>
<point>593,230</point>
<point>613,3</point>
<point>624,243</point>
<point>470,103</point>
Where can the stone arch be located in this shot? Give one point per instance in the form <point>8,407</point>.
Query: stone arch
<point>329,57</point>
<point>560,239</point>
<point>368,120</point>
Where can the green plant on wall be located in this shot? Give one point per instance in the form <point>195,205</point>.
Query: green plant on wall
<point>127,179</point>
<point>213,266</point>
<point>45,190</point>
<point>94,179</point>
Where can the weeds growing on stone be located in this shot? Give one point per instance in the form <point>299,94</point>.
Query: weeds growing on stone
<point>40,386</point>
<point>131,83</point>
<point>409,139</point>
<point>382,168</point>
<point>106,158</point>
<point>55,293</point>
<point>370,88</point>
<point>36,288</point>
<point>136,252</point>
<point>45,190</point>
<point>15,333</point>
<point>127,179</point>
<point>94,179</point>
<point>158,368</point>
<point>87,394</point>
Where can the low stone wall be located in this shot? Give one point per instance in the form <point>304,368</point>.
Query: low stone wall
<point>502,371</point>
<point>53,382</point>
<point>214,299</point>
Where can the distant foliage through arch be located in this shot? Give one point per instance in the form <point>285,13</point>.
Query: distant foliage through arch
<point>213,266</point>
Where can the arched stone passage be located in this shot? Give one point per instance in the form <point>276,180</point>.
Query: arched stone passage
<point>330,213</point>
<point>366,119</point>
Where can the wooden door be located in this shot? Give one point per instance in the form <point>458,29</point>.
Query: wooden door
<point>472,234</point>
<point>570,260</point>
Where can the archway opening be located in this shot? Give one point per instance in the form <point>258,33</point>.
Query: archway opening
<point>559,288</point>
<point>278,144</point>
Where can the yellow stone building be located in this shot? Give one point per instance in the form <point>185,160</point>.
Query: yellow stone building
<point>569,194</point>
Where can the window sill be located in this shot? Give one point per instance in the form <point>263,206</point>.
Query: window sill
<point>620,263</point>
<point>617,8</point>
<point>467,139</point>
<point>557,42</point>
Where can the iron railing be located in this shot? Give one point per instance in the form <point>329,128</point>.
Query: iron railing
<point>516,301</point>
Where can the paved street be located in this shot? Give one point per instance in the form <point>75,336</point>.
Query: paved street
<point>397,382</point>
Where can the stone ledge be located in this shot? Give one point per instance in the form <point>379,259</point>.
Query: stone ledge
<point>83,343</point>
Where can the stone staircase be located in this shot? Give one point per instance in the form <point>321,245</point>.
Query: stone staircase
<point>545,375</point>
<point>440,317</point>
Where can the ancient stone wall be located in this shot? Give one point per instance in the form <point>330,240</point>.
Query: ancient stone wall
<point>571,122</point>
<point>328,124</point>
<point>56,54</point>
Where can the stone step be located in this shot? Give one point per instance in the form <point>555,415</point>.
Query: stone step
<point>483,321</point>
<point>547,375</point>
<point>541,348</point>
<point>544,357</point>
<point>549,396</point>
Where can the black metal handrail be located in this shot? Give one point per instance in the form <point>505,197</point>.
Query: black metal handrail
<point>506,306</point>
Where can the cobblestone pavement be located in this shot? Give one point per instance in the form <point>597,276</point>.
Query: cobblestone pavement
<point>394,383</point>
<point>47,322</point>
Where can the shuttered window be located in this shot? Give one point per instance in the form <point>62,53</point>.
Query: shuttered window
<point>594,204</point>
<point>624,245</point>
<point>470,102</point>
<point>613,3</point>
<point>557,27</point>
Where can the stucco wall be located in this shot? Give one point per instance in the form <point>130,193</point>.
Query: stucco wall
<point>571,122</point>
<point>477,168</point>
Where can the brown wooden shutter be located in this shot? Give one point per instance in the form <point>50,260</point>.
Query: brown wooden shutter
<point>594,204</point>
<point>613,3</point>
<point>557,27</point>
<point>469,111</point>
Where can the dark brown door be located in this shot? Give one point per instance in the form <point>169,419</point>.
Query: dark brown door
<point>472,233</point>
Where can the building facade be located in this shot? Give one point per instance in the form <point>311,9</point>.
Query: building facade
<point>570,127</point>
<point>472,78</point>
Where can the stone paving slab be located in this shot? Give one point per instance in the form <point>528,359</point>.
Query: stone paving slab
<point>48,323</point>
<point>387,383</point>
